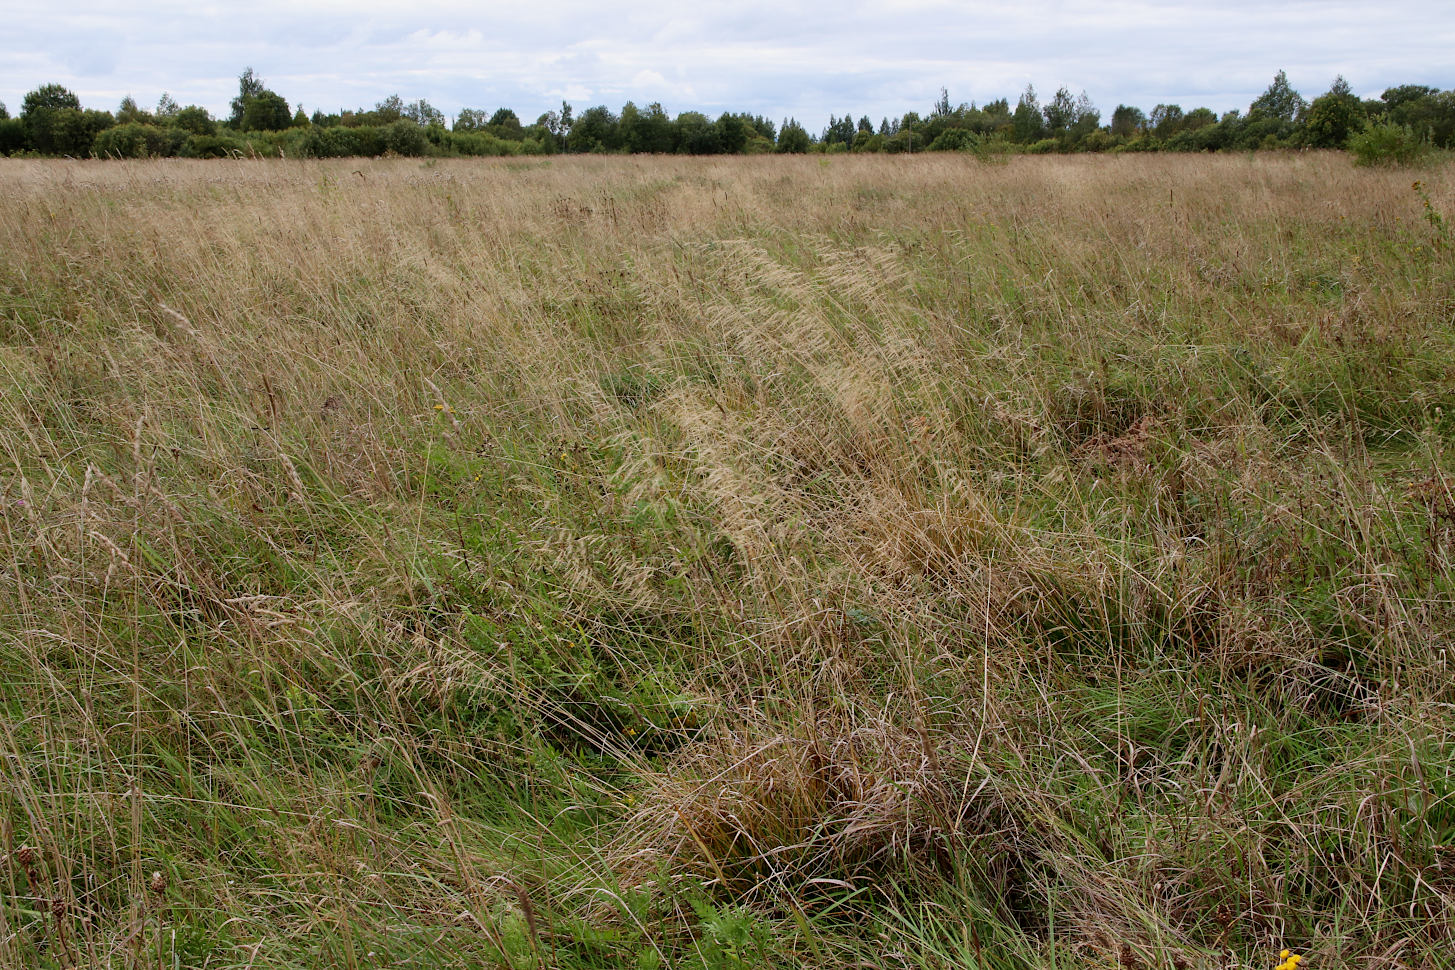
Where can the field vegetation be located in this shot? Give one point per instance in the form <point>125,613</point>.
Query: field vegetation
<point>772,561</point>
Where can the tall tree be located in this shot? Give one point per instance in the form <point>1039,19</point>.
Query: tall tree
<point>249,85</point>
<point>41,111</point>
<point>1026,123</point>
<point>1127,120</point>
<point>1280,101</point>
<point>1334,116</point>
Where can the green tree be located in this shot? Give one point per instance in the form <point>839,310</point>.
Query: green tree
<point>504,123</point>
<point>166,107</point>
<point>1127,121</point>
<point>1280,101</point>
<point>4,112</point>
<point>649,131</point>
<point>1333,117</point>
<point>1396,97</point>
<point>1026,123</point>
<point>732,133</point>
<point>1427,112</point>
<point>39,112</point>
<point>195,119</point>
<point>1199,118</point>
<point>839,131</point>
<point>597,130</point>
<point>256,108</point>
<point>1060,113</point>
<point>404,137</point>
<point>1085,119</point>
<point>129,114</point>
<point>1165,120</point>
<point>388,111</point>
<point>249,86</point>
<point>74,131</point>
<point>424,114</point>
<point>470,119</point>
<point>792,138</point>
<point>12,136</point>
<point>266,111</point>
<point>696,135</point>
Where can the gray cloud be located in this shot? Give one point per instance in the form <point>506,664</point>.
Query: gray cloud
<point>777,58</point>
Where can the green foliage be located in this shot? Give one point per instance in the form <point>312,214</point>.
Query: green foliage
<point>53,122</point>
<point>792,138</point>
<point>138,141</point>
<point>1059,112</point>
<point>1333,117</point>
<point>697,135</point>
<point>597,130</point>
<point>1387,144</point>
<point>12,136</point>
<point>649,131</point>
<point>211,146</point>
<point>840,131</point>
<point>266,111</point>
<point>1426,111</point>
<point>249,86</point>
<point>1027,125</point>
<point>955,140</point>
<point>41,111</point>
<point>194,119</point>
<point>129,114</point>
<point>505,124</point>
<point>1279,102</point>
<point>1127,121</point>
<point>477,143</point>
<point>1165,120</point>
<point>424,114</point>
<point>404,137</point>
<point>732,133</point>
<point>256,108</point>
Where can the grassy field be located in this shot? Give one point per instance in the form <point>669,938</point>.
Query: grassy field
<point>631,562</point>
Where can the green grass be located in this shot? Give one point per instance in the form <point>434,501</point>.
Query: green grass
<point>662,563</point>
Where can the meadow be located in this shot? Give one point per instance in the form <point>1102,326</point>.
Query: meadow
<point>908,562</point>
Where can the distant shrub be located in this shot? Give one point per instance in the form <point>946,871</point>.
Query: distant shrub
<point>476,143</point>
<point>138,141</point>
<point>404,137</point>
<point>955,140</point>
<point>12,136</point>
<point>196,120</point>
<point>1387,144</point>
<point>210,146</point>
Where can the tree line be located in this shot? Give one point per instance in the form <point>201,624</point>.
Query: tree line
<point>1399,125</point>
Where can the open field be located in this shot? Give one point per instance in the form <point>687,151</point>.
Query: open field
<point>634,562</point>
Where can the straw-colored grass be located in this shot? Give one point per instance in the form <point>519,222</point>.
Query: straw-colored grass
<point>894,562</point>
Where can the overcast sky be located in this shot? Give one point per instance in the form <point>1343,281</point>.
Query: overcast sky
<point>774,57</point>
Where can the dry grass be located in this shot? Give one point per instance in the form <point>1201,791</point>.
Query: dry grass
<point>597,561</point>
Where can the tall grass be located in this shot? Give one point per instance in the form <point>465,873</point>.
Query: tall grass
<point>905,562</point>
